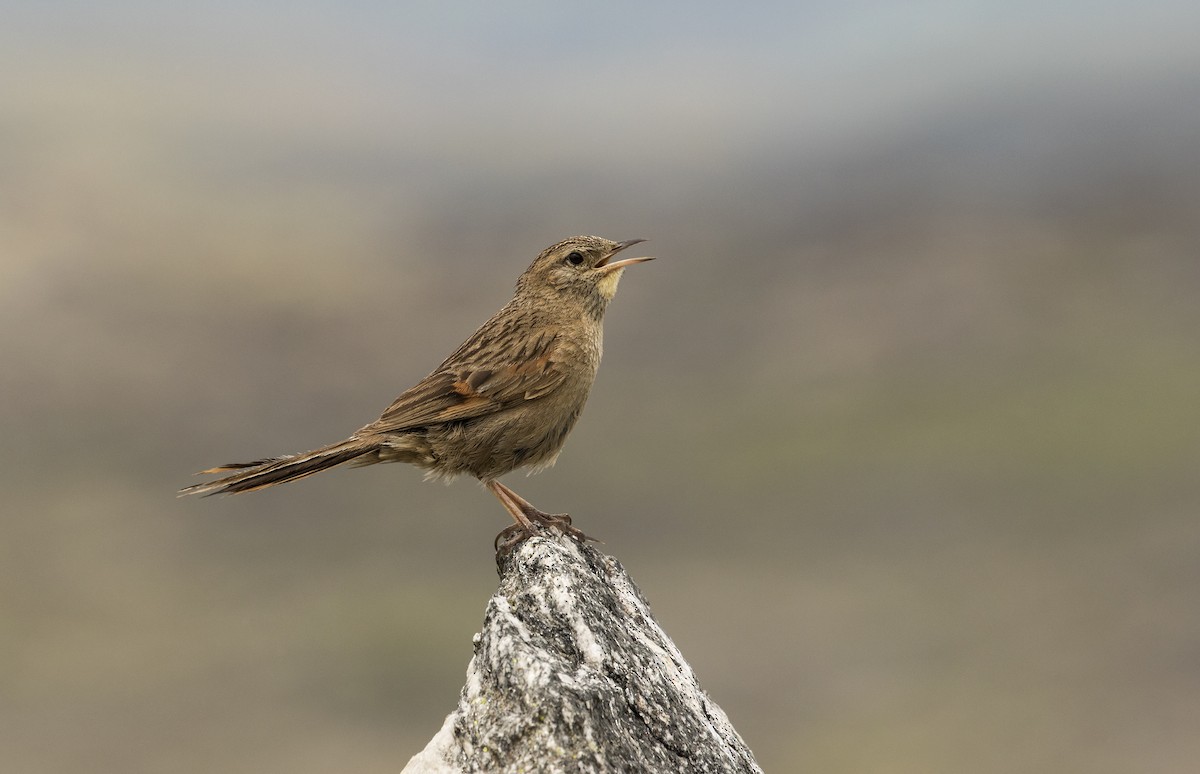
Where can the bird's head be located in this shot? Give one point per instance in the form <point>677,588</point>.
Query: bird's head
<point>580,268</point>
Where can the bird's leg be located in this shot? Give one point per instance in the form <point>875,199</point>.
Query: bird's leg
<point>513,534</point>
<point>560,520</point>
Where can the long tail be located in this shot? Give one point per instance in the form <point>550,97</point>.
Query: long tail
<point>260,474</point>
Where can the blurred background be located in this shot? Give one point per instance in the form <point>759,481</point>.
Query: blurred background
<point>899,436</point>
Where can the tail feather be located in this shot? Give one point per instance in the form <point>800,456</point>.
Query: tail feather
<point>229,466</point>
<point>251,476</point>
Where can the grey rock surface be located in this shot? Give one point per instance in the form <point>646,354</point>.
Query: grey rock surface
<point>572,673</point>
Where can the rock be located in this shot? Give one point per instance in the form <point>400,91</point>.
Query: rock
<point>572,673</point>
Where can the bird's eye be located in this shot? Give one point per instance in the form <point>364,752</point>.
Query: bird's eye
<point>575,258</point>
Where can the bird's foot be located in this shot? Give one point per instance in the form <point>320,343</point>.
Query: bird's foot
<point>559,521</point>
<point>515,534</point>
<point>509,538</point>
<point>530,521</point>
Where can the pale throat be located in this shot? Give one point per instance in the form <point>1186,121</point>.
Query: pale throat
<point>608,284</point>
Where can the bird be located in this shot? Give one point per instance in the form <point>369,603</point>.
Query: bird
<point>504,400</point>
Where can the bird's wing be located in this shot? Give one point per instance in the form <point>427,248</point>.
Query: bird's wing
<point>474,382</point>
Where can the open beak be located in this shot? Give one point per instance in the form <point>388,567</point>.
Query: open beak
<point>606,267</point>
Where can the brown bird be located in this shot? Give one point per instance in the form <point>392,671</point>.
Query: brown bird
<point>504,400</point>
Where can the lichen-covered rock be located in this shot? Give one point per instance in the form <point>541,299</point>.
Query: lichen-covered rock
<point>572,673</point>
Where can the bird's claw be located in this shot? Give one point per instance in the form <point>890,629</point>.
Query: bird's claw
<point>514,534</point>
